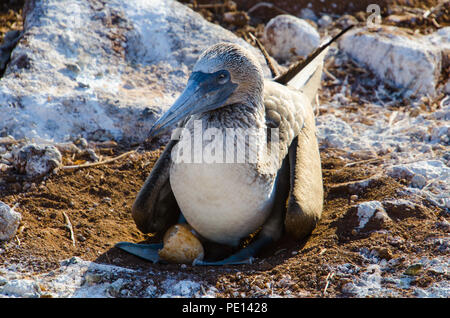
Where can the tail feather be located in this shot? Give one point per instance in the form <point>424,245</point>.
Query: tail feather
<point>306,75</point>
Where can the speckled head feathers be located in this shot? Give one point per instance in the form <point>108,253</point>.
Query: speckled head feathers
<point>244,68</point>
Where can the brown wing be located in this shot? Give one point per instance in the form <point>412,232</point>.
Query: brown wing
<point>155,208</point>
<point>293,115</point>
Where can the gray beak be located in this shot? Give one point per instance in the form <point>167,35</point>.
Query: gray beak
<point>204,92</point>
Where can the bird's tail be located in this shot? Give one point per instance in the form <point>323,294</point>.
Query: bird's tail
<point>306,75</point>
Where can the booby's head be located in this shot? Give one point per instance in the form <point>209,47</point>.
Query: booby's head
<point>225,74</point>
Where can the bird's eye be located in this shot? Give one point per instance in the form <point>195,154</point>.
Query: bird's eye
<point>222,78</point>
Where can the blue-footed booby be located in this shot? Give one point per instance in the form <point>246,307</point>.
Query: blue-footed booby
<point>276,188</point>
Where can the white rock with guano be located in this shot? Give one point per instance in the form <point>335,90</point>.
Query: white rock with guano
<point>408,62</point>
<point>9,222</point>
<point>36,160</point>
<point>369,209</point>
<point>104,71</point>
<point>421,172</point>
<point>23,288</point>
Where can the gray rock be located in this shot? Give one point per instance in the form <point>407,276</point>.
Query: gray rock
<point>307,13</point>
<point>151,291</point>
<point>394,56</point>
<point>9,222</point>
<point>36,160</point>
<point>325,21</point>
<point>70,74</point>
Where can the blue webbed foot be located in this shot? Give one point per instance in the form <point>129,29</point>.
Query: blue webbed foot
<point>227,261</point>
<point>148,252</point>
<point>244,256</point>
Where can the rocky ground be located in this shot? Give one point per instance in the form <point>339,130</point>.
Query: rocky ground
<point>384,143</point>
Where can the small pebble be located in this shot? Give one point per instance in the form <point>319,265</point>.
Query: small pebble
<point>325,21</point>
<point>82,143</point>
<point>414,270</point>
<point>3,167</point>
<point>92,155</point>
<point>238,18</point>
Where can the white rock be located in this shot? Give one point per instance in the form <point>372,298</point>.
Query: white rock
<point>106,70</point>
<point>440,39</point>
<point>366,210</point>
<point>404,61</point>
<point>9,222</point>
<point>37,160</point>
<point>418,181</point>
<point>286,36</point>
<point>333,132</point>
<point>428,169</point>
<point>182,288</point>
<point>21,288</point>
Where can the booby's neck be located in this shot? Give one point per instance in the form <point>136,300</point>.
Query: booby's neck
<point>246,114</point>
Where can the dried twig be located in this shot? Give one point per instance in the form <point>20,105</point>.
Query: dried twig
<point>427,13</point>
<point>435,23</point>
<point>335,80</point>
<point>210,5</point>
<point>69,226</point>
<point>272,67</point>
<point>444,101</point>
<point>267,5</point>
<point>364,161</point>
<point>329,277</point>
<point>94,164</point>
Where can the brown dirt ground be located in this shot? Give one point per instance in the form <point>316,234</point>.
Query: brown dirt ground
<point>98,202</point>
